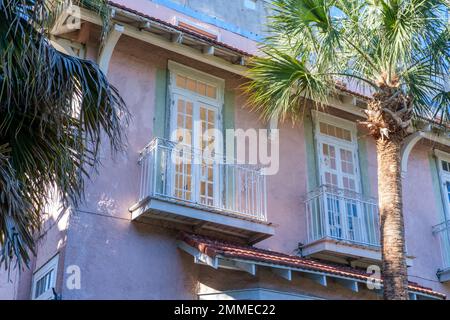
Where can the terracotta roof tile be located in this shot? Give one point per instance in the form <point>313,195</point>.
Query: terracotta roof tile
<point>213,247</point>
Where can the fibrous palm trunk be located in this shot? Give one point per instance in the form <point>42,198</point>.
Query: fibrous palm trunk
<point>388,120</point>
<point>391,220</point>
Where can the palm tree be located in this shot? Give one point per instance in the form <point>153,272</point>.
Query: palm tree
<point>397,50</point>
<point>55,110</point>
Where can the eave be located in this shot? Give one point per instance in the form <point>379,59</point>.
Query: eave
<point>175,39</point>
<point>226,255</point>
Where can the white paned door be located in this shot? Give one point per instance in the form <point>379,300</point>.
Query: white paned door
<point>339,171</point>
<point>195,110</point>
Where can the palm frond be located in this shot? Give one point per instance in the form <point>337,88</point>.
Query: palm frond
<point>358,42</point>
<point>55,110</point>
<point>281,85</point>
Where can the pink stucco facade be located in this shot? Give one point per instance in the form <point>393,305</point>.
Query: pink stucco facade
<point>123,259</point>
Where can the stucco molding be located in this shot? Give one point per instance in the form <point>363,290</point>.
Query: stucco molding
<point>413,139</point>
<point>407,147</point>
<point>106,51</point>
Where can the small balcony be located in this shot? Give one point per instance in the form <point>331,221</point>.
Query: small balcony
<point>342,226</point>
<point>442,231</point>
<point>196,191</point>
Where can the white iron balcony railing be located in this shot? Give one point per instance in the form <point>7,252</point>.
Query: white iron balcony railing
<point>442,230</point>
<point>342,215</point>
<point>188,176</point>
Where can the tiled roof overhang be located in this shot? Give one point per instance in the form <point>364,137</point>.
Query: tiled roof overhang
<point>213,249</point>
<point>184,30</point>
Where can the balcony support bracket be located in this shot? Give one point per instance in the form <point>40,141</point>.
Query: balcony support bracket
<point>199,257</point>
<point>284,273</point>
<point>348,283</point>
<point>106,51</point>
<point>319,278</point>
<point>247,267</point>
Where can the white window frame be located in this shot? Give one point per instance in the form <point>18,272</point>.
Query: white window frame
<point>174,91</point>
<point>319,117</point>
<point>177,68</point>
<point>444,177</point>
<point>52,267</point>
<point>216,104</point>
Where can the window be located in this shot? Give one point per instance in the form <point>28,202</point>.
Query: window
<point>339,174</point>
<point>444,173</point>
<point>337,152</point>
<point>195,108</point>
<point>44,280</point>
<point>197,28</point>
<point>196,86</point>
<point>336,132</point>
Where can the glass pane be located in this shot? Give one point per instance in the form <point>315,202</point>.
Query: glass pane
<point>211,92</point>
<point>445,166</point>
<point>323,128</point>
<point>347,135</point>
<point>201,88</point>
<point>181,81</point>
<point>43,284</point>
<point>329,156</point>
<point>184,122</point>
<point>334,180</point>
<point>448,190</point>
<point>333,131</point>
<point>325,149</point>
<point>189,108</point>
<point>334,219</point>
<point>191,84</point>
<point>347,161</point>
<point>352,184</point>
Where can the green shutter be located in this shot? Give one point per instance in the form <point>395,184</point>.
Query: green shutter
<point>160,120</point>
<point>228,110</point>
<point>436,181</point>
<point>364,167</point>
<point>310,146</point>
<point>228,123</point>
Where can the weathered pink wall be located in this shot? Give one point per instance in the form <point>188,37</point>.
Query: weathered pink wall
<point>8,289</point>
<point>51,241</point>
<point>118,258</point>
<point>287,188</point>
<point>421,214</point>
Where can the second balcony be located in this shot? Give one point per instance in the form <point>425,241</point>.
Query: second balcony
<point>343,226</point>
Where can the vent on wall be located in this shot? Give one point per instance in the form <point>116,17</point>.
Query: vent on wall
<point>198,30</point>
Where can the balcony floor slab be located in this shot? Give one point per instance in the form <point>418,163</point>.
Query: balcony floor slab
<point>183,215</point>
<point>341,251</point>
<point>444,275</point>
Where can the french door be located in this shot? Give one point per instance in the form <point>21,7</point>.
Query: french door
<point>195,169</point>
<point>340,174</point>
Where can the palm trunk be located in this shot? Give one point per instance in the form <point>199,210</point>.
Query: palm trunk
<point>394,268</point>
